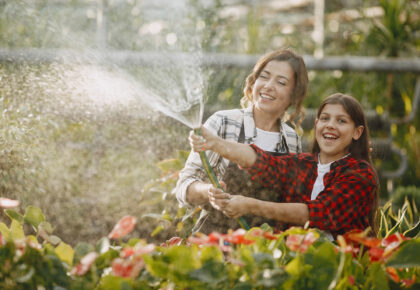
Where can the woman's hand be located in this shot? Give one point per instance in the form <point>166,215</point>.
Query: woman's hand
<point>233,206</point>
<point>217,198</point>
<point>203,142</point>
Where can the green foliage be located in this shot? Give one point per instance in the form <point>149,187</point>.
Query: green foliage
<point>258,259</point>
<point>405,220</point>
<point>402,193</point>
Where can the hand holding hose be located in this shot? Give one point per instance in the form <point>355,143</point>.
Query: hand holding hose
<point>202,139</point>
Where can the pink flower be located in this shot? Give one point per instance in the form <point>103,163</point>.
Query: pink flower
<point>85,263</point>
<point>8,203</point>
<point>124,226</point>
<point>140,249</point>
<point>300,243</point>
<point>172,241</point>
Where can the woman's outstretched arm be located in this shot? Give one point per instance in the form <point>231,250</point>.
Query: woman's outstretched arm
<point>235,206</point>
<point>241,154</point>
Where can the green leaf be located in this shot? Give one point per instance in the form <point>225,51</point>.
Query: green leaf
<point>24,273</point>
<point>65,253</point>
<point>112,282</point>
<point>294,267</point>
<point>54,240</point>
<point>158,229</point>
<point>14,215</point>
<point>406,256</point>
<point>34,216</point>
<point>156,266</point>
<point>211,273</point>
<point>211,253</point>
<point>376,278</point>
<point>81,250</point>
<point>46,226</point>
<point>5,232</point>
<point>102,245</point>
<point>16,230</point>
<point>169,165</point>
<point>414,231</point>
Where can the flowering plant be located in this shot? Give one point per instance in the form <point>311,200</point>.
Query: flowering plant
<point>298,258</point>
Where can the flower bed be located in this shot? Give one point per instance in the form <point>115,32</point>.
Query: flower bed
<point>256,259</point>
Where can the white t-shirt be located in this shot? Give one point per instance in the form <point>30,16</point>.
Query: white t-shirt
<point>267,140</point>
<point>319,182</point>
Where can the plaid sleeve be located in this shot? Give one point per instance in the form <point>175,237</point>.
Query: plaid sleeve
<point>346,203</point>
<point>270,171</point>
<point>193,169</point>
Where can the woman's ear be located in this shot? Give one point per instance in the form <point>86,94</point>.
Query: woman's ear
<point>358,131</point>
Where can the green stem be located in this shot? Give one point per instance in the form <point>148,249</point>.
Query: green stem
<point>213,179</point>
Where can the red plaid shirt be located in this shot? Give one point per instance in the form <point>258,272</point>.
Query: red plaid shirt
<point>345,202</point>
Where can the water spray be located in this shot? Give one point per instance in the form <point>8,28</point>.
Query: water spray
<point>213,179</point>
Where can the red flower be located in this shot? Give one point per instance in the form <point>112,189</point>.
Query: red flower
<point>126,252</point>
<point>392,272</point>
<point>85,263</point>
<point>392,239</point>
<point>123,227</point>
<point>122,268</point>
<point>269,236</point>
<point>260,233</point>
<point>359,237</point>
<point>214,239</point>
<point>376,254</point>
<point>351,280</point>
<point>8,203</point>
<point>392,242</point>
<point>408,282</point>
<point>238,237</point>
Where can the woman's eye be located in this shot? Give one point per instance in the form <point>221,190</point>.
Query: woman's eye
<point>263,76</point>
<point>282,83</point>
<point>342,121</point>
<point>323,118</point>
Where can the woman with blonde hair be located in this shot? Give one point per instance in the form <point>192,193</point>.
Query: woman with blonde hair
<point>279,81</point>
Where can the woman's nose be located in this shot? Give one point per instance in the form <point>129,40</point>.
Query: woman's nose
<point>269,84</point>
<point>330,123</point>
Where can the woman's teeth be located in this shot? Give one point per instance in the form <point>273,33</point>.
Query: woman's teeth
<point>329,136</point>
<point>266,97</point>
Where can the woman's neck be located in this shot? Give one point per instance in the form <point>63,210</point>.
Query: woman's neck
<point>325,159</point>
<point>266,122</point>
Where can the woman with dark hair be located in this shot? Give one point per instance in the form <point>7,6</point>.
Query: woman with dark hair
<point>279,80</point>
<point>334,188</point>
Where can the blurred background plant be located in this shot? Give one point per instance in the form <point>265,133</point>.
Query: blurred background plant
<point>87,163</point>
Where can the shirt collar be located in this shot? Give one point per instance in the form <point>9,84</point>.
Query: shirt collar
<point>249,124</point>
<point>336,163</point>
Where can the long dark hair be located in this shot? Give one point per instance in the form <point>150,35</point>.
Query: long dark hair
<point>359,148</point>
<point>300,75</point>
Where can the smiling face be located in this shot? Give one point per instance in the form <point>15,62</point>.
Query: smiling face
<point>334,131</point>
<point>273,88</point>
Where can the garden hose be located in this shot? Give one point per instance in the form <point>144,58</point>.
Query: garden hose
<point>213,178</point>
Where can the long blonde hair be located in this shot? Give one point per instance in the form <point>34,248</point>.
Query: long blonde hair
<point>299,90</point>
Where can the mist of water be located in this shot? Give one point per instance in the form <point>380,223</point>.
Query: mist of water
<point>81,162</point>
